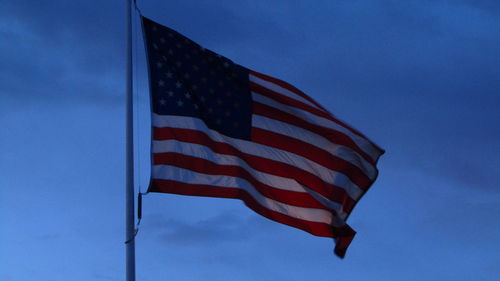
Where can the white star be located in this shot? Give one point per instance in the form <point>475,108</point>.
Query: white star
<point>220,83</point>
<point>163,102</point>
<point>235,124</point>
<point>187,56</point>
<point>204,79</point>
<point>169,74</point>
<point>186,75</point>
<point>170,34</point>
<point>178,84</point>
<point>188,95</point>
<point>178,64</point>
<point>164,58</point>
<point>178,45</point>
<point>211,91</point>
<point>161,83</point>
<point>218,121</point>
<point>195,67</point>
<point>159,64</point>
<point>155,28</point>
<point>226,65</point>
<point>162,40</point>
<point>194,87</point>
<point>203,99</point>
<point>170,93</point>
<point>219,101</point>
<point>170,51</point>
<point>179,103</point>
<point>155,46</point>
<point>236,105</point>
<point>227,113</point>
<point>196,106</point>
<point>210,110</point>
<point>202,49</point>
<point>228,94</point>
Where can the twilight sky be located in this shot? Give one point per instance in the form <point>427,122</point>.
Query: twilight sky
<point>421,78</point>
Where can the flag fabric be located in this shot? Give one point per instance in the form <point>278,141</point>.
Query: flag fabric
<point>222,130</point>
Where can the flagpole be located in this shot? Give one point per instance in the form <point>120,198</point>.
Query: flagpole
<point>129,155</point>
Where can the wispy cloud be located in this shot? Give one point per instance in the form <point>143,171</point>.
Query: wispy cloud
<point>60,58</point>
<point>223,228</point>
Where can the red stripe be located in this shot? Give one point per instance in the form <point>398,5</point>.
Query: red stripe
<point>332,135</point>
<point>203,166</point>
<point>289,101</point>
<point>344,234</point>
<point>298,92</point>
<point>330,191</point>
<point>316,154</point>
<point>287,86</point>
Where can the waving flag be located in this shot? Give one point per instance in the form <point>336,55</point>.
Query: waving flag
<point>222,130</point>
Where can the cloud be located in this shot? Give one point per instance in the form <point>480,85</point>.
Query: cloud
<point>74,55</point>
<point>462,224</point>
<point>77,54</point>
<point>491,6</point>
<point>223,228</point>
<point>456,144</point>
<point>99,276</point>
<point>49,236</point>
<point>464,219</point>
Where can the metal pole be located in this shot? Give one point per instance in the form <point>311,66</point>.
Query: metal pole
<point>129,155</point>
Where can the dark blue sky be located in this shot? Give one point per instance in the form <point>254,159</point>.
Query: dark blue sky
<point>420,78</point>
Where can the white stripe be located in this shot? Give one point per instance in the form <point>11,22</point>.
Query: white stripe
<point>183,175</point>
<point>201,151</point>
<point>363,143</point>
<point>316,140</point>
<point>248,147</point>
<point>281,90</point>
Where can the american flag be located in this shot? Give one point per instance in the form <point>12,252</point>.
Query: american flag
<point>222,130</point>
